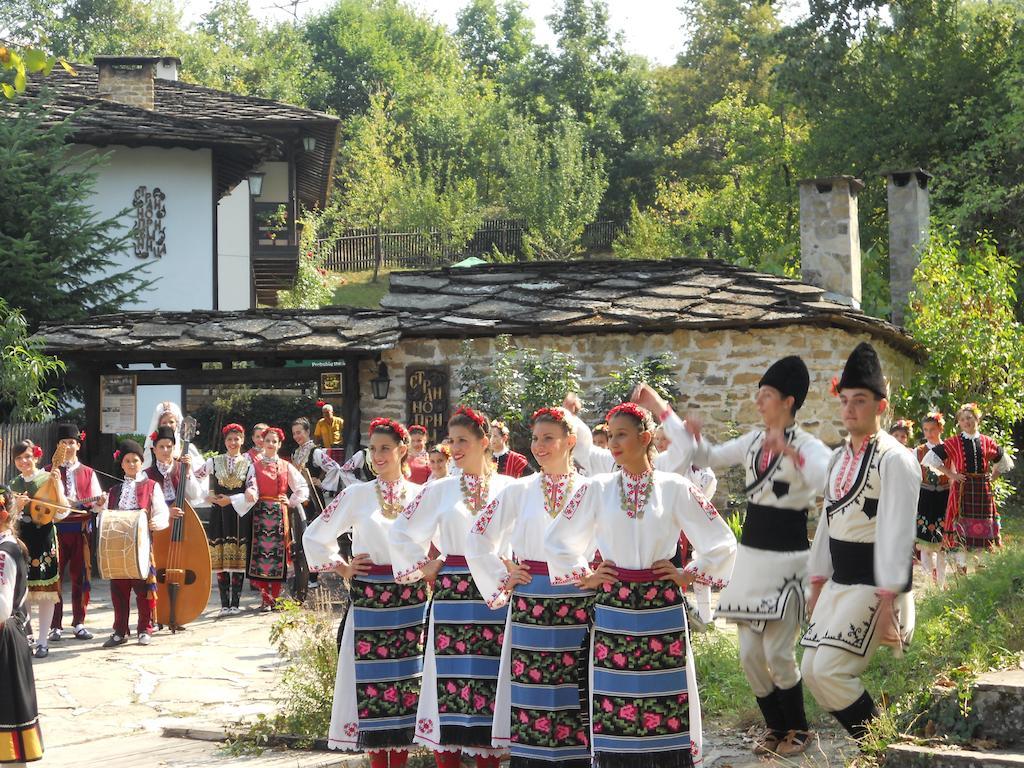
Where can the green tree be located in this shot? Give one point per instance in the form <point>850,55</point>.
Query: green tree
<point>657,371</point>
<point>24,371</point>
<point>554,184</point>
<point>59,257</point>
<point>962,312</point>
<point>492,37</point>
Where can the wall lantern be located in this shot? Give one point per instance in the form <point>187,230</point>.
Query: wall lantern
<point>382,383</point>
<point>309,143</point>
<point>256,183</point>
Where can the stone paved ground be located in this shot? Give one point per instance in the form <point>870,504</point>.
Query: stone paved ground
<point>106,707</point>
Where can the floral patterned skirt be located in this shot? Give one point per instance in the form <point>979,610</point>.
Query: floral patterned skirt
<point>645,710</point>
<point>546,665</point>
<point>229,539</point>
<point>268,558</point>
<point>380,665</point>
<point>931,512</point>
<point>43,557</point>
<point>460,676</point>
<point>972,520</point>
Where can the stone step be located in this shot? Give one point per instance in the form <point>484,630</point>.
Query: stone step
<point>911,756</point>
<point>997,706</point>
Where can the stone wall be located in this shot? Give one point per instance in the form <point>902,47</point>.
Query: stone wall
<point>718,371</point>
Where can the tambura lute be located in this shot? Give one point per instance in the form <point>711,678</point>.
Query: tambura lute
<point>123,543</point>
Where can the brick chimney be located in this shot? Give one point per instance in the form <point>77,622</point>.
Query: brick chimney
<point>908,232</point>
<point>129,79</point>
<point>830,237</point>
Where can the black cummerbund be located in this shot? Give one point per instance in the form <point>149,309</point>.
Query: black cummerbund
<point>775,528</point>
<point>853,562</point>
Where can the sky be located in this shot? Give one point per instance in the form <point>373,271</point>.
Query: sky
<point>651,27</point>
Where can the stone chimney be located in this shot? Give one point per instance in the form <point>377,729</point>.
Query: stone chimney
<point>908,232</point>
<point>830,237</point>
<point>129,79</point>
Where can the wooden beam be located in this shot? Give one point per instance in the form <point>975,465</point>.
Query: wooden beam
<point>200,377</point>
<point>353,414</point>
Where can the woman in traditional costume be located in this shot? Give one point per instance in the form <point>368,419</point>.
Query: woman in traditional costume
<point>975,460</point>
<point>168,414</point>
<point>229,530</point>
<point>419,456</point>
<point>645,709</point>
<point>43,576</point>
<point>460,669</point>
<point>267,484</point>
<point>539,714</point>
<point>932,503</point>
<point>380,662</point>
<point>21,741</point>
<point>440,455</point>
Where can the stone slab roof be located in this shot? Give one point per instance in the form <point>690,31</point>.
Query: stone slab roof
<point>608,295</point>
<point>228,113</point>
<point>103,123</point>
<point>211,335</point>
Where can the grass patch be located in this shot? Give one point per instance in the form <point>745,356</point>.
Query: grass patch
<point>357,289</point>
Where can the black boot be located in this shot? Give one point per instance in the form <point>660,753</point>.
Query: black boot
<point>791,701</point>
<point>856,717</point>
<point>223,586</point>
<point>774,716</point>
<point>236,588</point>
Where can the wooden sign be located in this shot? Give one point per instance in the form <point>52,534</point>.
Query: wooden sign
<point>426,395</point>
<point>331,384</point>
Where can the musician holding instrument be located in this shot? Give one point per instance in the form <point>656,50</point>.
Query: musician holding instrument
<point>137,492</point>
<point>165,468</point>
<point>267,488</point>
<point>74,533</point>
<point>39,499</point>
<point>321,472</point>
<point>228,532</point>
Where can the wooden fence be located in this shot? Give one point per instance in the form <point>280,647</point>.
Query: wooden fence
<point>44,435</point>
<point>353,251</point>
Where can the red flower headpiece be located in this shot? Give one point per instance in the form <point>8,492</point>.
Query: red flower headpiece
<point>390,424</point>
<point>37,451</point>
<point>233,427</point>
<point>442,449</point>
<point>277,430</point>
<point>937,416</point>
<point>117,455</point>
<point>320,403</point>
<point>906,424</point>
<point>631,408</point>
<point>972,407</point>
<point>557,414</point>
<point>81,436</point>
<point>152,436</point>
<point>476,417</point>
<point>417,428</point>
<point>834,386</point>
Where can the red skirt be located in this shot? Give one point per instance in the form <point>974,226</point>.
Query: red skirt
<point>972,521</point>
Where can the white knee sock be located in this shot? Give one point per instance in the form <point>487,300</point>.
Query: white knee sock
<point>940,568</point>
<point>45,617</point>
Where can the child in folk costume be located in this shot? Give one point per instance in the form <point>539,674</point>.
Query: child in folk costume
<point>509,462</point>
<point>440,455</point>
<point>168,414</point>
<point>902,430</point>
<point>460,670</point>
<point>257,442</point>
<point>74,533</point>
<point>43,576</point>
<point>932,503</point>
<point>137,491</point>
<point>645,709</point>
<point>861,559</point>
<point>380,662</point>
<point>267,485</point>
<point>419,457</point>
<point>974,461</point>
<point>785,472</point>
<point>21,741</point>
<point>165,469</point>
<point>538,712</point>
<point>600,435</point>
<point>230,529</point>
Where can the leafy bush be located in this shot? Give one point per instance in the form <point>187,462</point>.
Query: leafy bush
<point>657,371</point>
<point>313,286</point>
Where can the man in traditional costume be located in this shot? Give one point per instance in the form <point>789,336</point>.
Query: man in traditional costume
<point>861,560</point>
<point>510,462</point>
<point>74,533</point>
<point>785,471</point>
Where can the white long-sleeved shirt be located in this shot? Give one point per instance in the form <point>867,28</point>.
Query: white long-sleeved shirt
<point>8,577</point>
<point>195,493</point>
<point>437,515</point>
<point>159,512</point>
<point>516,520</point>
<point>209,469</point>
<point>356,509</point>
<point>322,461</point>
<point>71,486</point>
<point>296,482</point>
<point>596,517</point>
<point>891,527</point>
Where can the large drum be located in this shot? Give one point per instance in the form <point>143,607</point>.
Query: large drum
<point>123,536</point>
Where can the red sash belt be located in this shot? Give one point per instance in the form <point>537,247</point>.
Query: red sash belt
<point>379,569</point>
<point>645,574</point>
<point>457,561</point>
<point>538,567</point>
